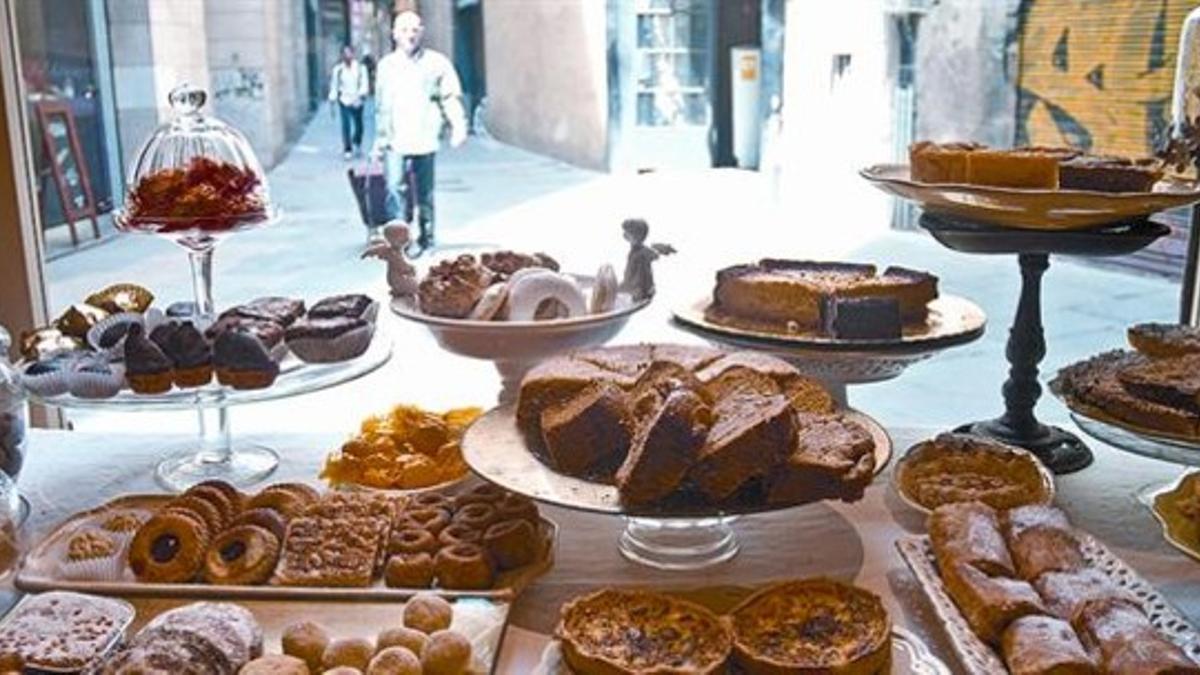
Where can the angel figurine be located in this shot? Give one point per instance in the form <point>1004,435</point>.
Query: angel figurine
<point>638,280</point>
<point>401,276</point>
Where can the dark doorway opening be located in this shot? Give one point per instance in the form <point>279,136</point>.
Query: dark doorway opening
<point>739,22</point>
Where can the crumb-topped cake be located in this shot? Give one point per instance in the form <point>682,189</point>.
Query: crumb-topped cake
<point>617,631</point>
<point>792,296</point>
<point>813,625</point>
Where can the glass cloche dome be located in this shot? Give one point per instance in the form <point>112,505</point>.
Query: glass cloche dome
<point>195,177</point>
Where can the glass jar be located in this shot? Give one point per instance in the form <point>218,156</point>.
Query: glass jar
<point>13,413</point>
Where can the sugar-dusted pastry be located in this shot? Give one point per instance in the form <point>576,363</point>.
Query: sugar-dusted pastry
<point>504,264</point>
<point>810,626</point>
<point>1066,592</point>
<point>1041,540</point>
<point>969,533</point>
<point>61,631</point>
<point>529,293</point>
<point>447,653</point>
<point>626,631</point>
<point>989,604</point>
<point>1126,640</point>
<point>428,613</point>
<point>664,449</point>
<point>1043,645</point>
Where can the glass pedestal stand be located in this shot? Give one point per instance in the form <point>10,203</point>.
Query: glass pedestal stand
<point>679,543</point>
<point>217,458</point>
<point>1061,451</point>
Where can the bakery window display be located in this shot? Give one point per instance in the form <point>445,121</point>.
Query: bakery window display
<point>958,467</point>
<point>289,539</point>
<point>407,448</point>
<point>1022,591</point>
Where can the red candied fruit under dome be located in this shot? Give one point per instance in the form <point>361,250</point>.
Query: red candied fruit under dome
<point>205,195</point>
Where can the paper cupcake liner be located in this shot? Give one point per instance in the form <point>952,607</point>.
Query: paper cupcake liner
<point>344,347</point>
<point>96,385</point>
<point>111,568</point>
<point>48,384</point>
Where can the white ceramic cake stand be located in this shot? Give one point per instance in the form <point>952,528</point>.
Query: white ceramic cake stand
<point>517,346</point>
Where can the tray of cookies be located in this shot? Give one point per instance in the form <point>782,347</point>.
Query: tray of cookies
<point>1022,590</point>
<point>64,631</point>
<point>734,630</point>
<point>291,541</point>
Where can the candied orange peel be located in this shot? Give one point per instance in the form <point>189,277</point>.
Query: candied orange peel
<point>405,449</point>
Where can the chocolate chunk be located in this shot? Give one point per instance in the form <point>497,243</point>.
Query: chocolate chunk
<point>861,318</point>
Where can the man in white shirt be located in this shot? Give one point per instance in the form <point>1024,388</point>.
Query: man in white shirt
<point>348,87</point>
<point>417,92</point>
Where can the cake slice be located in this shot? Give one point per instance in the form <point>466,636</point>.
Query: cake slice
<point>1158,340</point>
<point>935,163</point>
<point>834,457</point>
<point>1107,173</point>
<point>1013,169</point>
<point>1173,382</point>
<point>1044,645</point>
<point>589,432</point>
<point>555,380</point>
<point>1127,642</point>
<point>989,604</point>
<point>1065,593</point>
<point>751,435</point>
<point>664,448</point>
<point>691,357</point>
<point>628,360</point>
<point>740,379</point>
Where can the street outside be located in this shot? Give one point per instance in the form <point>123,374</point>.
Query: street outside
<point>490,194</point>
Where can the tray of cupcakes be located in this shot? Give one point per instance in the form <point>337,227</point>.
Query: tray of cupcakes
<point>291,541</point>
<point>1023,591</point>
<point>116,348</point>
<point>67,632</point>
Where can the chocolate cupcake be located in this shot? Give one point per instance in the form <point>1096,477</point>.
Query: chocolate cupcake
<point>162,334</point>
<point>147,368</point>
<point>329,340</point>
<point>242,362</point>
<point>269,333</point>
<point>283,311</point>
<point>191,355</point>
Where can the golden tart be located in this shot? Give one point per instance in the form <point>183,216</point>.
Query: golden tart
<point>614,631</point>
<point>953,468</point>
<point>811,626</point>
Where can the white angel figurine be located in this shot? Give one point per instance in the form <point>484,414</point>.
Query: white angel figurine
<point>401,276</point>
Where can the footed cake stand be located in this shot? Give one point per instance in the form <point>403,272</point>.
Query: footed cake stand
<point>1060,450</point>
<point>215,455</point>
<point>516,346</point>
<point>676,533</point>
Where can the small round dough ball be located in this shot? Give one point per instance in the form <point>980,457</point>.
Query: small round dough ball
<point>448,653</point>
<point>428,613</point>
<point>342,670</point>
<point>306,641</point>
<point>394,661</point>
<point>353,652</point>
<point>402,636</point>
<point>275,664</point>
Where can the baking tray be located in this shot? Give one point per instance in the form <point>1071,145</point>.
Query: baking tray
<point>38,570</point>
<point>909,653</point>
<point>978,658</point>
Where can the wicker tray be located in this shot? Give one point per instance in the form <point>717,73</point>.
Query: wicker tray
<point>980,659</point>
<point>39,570</point>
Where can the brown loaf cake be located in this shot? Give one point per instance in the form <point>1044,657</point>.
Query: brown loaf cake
<point>1104,173</point>
<point>717,421</point>
<point>833,457</point>
<point>782,295</point>
<point>1158,340</point>
<point>940,162</point>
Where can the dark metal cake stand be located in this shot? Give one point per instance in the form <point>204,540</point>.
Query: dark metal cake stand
<point>1061,451</point>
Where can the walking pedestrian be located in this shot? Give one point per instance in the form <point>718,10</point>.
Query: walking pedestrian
<point>348,87</point>
<point>417,94</point>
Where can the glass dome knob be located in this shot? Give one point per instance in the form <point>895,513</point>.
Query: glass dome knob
<point>187,99</point>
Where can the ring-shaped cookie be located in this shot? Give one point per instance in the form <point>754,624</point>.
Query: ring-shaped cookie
<point>430,500</point>
<point>463,567</point>
<point>511,543</point>
<point>234,495</point>
<point>215,497</point>
<point>241,556</point>
<point>204,509</point>
<point>457,533</point>
<point>486,494</point>
<point>477,516</point>
<point>268,519</point>
<point>169,547</point>
<point>430,520</point>
<point>489,304</point>
<point>528,292</point>
<point>413,540</point>
<point>519,507</point>
<point>286,504</point>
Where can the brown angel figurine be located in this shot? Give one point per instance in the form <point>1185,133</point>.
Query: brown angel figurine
<point>639,274</point>
<point>401,276</point>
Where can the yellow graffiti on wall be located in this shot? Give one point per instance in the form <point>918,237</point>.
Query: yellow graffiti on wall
<point>1098,73</point>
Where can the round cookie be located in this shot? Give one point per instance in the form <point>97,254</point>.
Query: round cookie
<point>210,514</point>
<point>217,498</point>
<point>275,664</point>
<point>306,641</point>
<point>447,653</point>
<point>395,661</point>
<point>241,555</point>
<point>527,293</point>
<point>402,636</point>
<point>412,541</point>
<point>353,652</point>
<point>169,547</point>
<point>268,519</point>
<point>431,520</point>
<point>428,613</point>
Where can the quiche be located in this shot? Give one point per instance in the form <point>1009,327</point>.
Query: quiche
<point>952,468</point>
<point>619,632</point>
<point>811,626</point>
